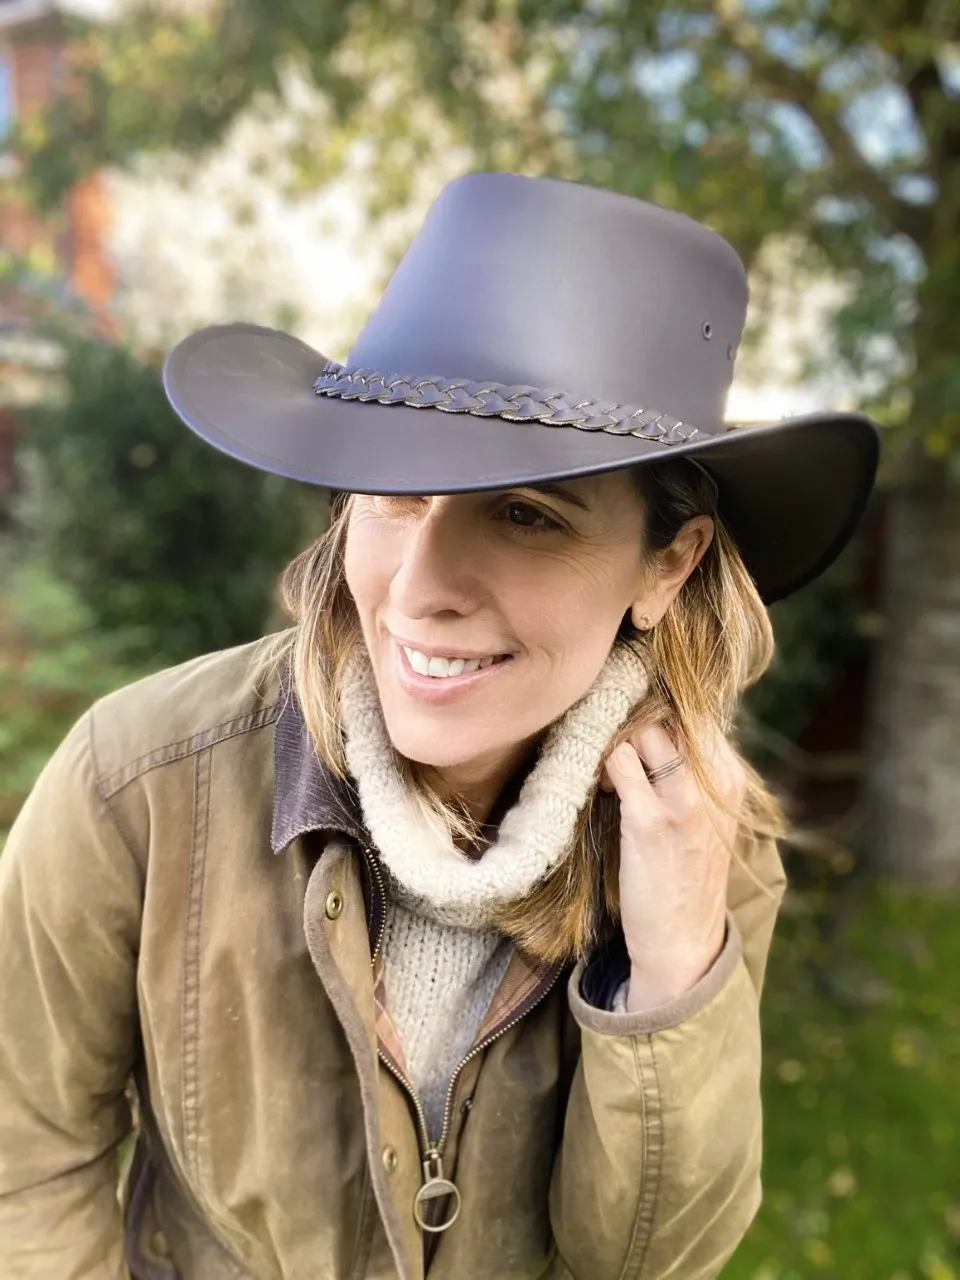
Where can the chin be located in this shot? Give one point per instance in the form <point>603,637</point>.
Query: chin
<point>446,749</point>
<point>426,750</point>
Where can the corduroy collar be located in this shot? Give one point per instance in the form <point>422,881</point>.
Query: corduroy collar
<point>307,796</point>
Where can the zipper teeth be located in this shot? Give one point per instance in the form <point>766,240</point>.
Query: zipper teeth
<point>373,864</point>
<point>479,1048</point>
<point>428,1147</point>
<point>438,1147</point>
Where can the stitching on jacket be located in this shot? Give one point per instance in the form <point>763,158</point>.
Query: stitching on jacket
<point>653,1152</point>
<point>191,745</point>
<point>111,813</point>
<point>341,1000</point>
<point>366,1225</point>
<point>190,1053</point>
<point>191,965</point>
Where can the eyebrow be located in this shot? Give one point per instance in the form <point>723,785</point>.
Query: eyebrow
<point>557,491</point>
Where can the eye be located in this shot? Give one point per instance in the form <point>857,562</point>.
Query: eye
<point>528,518</point>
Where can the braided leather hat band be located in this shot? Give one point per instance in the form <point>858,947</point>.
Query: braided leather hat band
<point>495,399</point>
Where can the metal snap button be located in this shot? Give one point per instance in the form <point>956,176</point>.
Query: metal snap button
<point>159,1246</point>
<point>390,1159</point>
<point>467,1107</point>
<point>334,906</point>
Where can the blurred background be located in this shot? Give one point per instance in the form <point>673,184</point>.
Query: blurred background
<point>193,161</point>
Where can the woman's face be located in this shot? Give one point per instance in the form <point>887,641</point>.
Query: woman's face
<point>534,582</point>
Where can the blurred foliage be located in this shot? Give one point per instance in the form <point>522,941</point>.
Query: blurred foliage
<point>54,662</point>
<point>823,140</point>
<point>818,632</point>
<point>861,1025</point>
<point>830,131</point>
<point>841,124</point>
<point>171,548</point>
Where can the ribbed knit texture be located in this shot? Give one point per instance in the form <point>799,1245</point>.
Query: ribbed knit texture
<point>439,980</point>
<point>534,834</point>
<point>442,961</point>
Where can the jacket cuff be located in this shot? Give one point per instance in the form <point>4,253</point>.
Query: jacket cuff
<point>594,985</point>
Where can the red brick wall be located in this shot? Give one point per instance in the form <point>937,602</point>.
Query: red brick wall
<point>76,238</point>
<point>88,267</point>
<point>37,71</point>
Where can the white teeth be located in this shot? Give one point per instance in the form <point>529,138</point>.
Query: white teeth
<point>419,662</point>
<point>441,668</point>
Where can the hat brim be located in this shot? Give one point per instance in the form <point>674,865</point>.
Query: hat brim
<point>792,492</point>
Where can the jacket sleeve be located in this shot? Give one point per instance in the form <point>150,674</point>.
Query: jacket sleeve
<point>70,895</point>
<point>658,1173</point>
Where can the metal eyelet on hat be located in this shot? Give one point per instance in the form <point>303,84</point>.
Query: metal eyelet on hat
<point>707,330</point>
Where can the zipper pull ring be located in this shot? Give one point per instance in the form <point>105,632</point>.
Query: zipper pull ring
<point>435,1187</point>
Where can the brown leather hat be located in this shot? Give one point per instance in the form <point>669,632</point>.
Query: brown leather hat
<point>537,330</point>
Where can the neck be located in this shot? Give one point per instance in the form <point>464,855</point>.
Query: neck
<point>486,788</point>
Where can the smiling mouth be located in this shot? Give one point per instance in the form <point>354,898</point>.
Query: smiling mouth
<point>440,668</point>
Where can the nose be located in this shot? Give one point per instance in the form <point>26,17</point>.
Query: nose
<point>438,568</point>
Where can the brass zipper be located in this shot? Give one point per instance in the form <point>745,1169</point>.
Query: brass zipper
<point>373,865</point>
<point>435,1186</point>
<point>485,1044</point>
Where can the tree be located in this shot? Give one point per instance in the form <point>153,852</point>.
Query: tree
<point>832,129</point>
<point>168,548</point>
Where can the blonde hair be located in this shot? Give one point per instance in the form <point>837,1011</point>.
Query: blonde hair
<point>713,642</point>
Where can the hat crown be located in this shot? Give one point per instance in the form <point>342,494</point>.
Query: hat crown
<point>563,287</point>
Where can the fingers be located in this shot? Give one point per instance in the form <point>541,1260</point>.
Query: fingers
<point>628,766</point>
<point>626,772</point>
<point>655,747</point>
<point>652,748</point>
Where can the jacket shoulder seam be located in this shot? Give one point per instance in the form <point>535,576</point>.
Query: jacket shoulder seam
<point>109,784</point>
<point>108,808</point>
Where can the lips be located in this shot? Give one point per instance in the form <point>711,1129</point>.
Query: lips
<point>457,675</point>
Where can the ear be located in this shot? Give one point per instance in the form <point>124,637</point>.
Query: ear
<point>672,567</point>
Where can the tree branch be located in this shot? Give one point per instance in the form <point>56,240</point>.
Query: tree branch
<point>937,115</point>
<point>856,176</point>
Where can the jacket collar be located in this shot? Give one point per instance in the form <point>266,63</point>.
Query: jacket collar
<point>307,795</point>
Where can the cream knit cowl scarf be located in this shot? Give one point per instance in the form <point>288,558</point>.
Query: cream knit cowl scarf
<point>443,961</point>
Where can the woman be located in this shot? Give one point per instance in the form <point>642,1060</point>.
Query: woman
<point>431,933</point>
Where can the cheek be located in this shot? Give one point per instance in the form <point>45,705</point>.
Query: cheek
<point>577,605</point>
<point>366,566</point>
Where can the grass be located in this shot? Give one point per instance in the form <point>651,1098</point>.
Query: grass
<point>861,1012</point>
<point>861,1093</point>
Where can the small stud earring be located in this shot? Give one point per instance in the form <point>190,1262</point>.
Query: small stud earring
<point>645,623</point>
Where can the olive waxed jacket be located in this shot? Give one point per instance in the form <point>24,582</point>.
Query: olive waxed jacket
<point>189,919</point>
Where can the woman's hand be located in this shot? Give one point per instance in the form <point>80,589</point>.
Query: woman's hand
<point>674,863</point>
